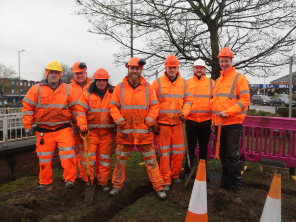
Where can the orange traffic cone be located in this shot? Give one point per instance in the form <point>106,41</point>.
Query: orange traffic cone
<point>272,207</point>
<point>197,210</point>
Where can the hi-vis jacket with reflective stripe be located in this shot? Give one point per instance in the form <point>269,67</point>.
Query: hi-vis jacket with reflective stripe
<point>46,107</point>
<point>202,90</point>
<point>174,99</point>
<point>93,111</point>
<point>231,95</point>
<point>77,92</point>
<point>134,106</point>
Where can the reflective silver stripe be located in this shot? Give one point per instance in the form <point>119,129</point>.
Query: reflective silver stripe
<point>121,162</point>
<point>164,154</point>
<point>148,154</point>
<point>149,119</point>
<point>134,107</point>
<point>119,120</point>
<point>189,103</point>
<point>169,111</point>
<point>188,94</point>
<point>201,96</point>
<point>240,105</point>
<point>126,131</point>
<point>243,92</point>
<point>45,160</point>
<point>150,162</point>
<point>67,156</point>
<point>165,147</point>
<point>211,87</point>
<point>68,91</point>
<point>30,101</point>
<point>39,94</point>
<point>82,104</point>
<point>115,103</point>
<point>121,93</point>
<point>234,84</point>
<point>201,111</point>
<point>88,93</point>
<point>66,148</point>
<point>52,123</point>
<point>79,146</point>
<point>122,154</point>
<point>178,152</point>
<point>226,95</point>
<point>171,96</point>
<point>99,111</point>
<point>73,103</point>
<point>83,163</point>
<point>52,106</point>
<point>243,112</point>
<point>159,87</point>
<point>80,114</point>
<point>91,154</point>
<point>147,94</point>
<point>153,102</point>
<point>104,163</point>
<point>216,112</point>
<point>178,145</point>
<point>45,153</point>
<point>28,113</point>
<point>184,86</point>
<point>91,126</point>
<point>106,157</point>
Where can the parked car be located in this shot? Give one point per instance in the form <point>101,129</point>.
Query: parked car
<point>279,100</point>
<point>260,99</point>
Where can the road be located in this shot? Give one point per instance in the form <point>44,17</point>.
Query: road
<point>270,109</point>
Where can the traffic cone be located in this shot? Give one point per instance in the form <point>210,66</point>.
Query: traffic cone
<point>272,207</point>
<point>197,210</point>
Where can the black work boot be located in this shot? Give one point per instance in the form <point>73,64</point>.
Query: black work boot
<point>237,190</point>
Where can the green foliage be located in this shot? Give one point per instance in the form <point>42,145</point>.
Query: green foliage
<point>284,111</point>
<point>253,112</point>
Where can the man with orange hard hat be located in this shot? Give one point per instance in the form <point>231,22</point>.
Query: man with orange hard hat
<point>47,105</point>
<point>134,108</point>
<point>93,115</point>
<point>230,103</point>
<point>79,83</point>
<point>175,99</point>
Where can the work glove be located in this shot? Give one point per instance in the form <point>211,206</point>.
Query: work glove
<point>83,128</point>
<point>29,132</point>
<point>76,130</point>
<point>182,118</point>
<point>121,124</point>
<point>148,123</point>
<point>155,129</point>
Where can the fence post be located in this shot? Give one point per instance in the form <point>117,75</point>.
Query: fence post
<point>5,130</point>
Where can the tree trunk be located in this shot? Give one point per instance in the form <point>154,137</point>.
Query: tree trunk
<point>215,50</point>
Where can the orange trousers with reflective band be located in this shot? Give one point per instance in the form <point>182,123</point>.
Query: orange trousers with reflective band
<point>123,152</point>
<point>63,140</point>
<point>170,138</point>
<point>78,144</point>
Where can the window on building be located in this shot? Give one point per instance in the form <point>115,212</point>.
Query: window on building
<point>12,82</point>
<point>21,83</point>
<point>29,84</point>
<point>12,91</point>
<point>24,84</point>
<point>21,90</point>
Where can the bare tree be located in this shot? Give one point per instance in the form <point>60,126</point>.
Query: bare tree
<point>6,74</point>
<point>261,33</point>
<point>67,73</point>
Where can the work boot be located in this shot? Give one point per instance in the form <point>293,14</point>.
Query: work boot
<point>104,188</point>
<point>176,180</point>
<point>114,192</point>
<point>161,195</point>
<point>225,186</point>
<point>166,188</point>
<point>69,184</point>
<point>40,186</point>
<point>237,190</point>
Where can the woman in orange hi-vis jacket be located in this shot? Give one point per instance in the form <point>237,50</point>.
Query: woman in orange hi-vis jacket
<point>134,108</point>
<point>175,101</point>
<point>93,115</point>
<point>231,99</point>
<point>79,83</point>
<point>47,105</point>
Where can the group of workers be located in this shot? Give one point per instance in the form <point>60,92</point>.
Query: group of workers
<point>63,112</point>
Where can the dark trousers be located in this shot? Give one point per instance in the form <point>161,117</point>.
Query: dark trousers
<point>201,132</point>
<point>229,155</point>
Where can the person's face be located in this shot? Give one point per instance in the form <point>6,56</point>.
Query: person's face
<point>80,77</point>
<point>53,77</point>
<point>101,84</point>
<point>134,72</point>
<point>172,71</point>
<point>199,70</point>
<point>225,63</point>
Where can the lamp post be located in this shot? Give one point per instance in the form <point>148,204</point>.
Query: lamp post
<point>19,66</point>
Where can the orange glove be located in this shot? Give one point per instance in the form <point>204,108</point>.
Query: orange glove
<point>121,124</point>
<point>83,128</point>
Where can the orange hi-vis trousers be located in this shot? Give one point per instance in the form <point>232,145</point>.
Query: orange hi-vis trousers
<point>170,137</point>
<point>65,143</point>
<point>78,143</point>
<point>123,152</point>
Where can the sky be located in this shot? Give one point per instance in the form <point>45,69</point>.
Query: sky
<point>48,30</point>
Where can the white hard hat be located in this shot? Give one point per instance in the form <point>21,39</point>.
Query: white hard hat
<point>199,62</point>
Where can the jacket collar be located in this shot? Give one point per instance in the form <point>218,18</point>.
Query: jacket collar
<point>178,76</point>
<point>87,80</point>
<point>228,72</point>
<point>201,78</point>
<point>45,82</point>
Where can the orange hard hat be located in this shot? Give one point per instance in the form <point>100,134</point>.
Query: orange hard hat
<point>171,60</point>
<point>79,67</point>
<point>225,52</point>
<point>101,74</point>
<point>135,61</point>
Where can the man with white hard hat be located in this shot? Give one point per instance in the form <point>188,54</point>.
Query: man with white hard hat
<point>198,124</point>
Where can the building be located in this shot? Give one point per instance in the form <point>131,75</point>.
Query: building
<point>285,80</point>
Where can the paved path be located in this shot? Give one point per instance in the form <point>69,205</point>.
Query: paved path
<point>270,109</point>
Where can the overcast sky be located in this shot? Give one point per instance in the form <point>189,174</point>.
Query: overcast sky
<point>47,30</point>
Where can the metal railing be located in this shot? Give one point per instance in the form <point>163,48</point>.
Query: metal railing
<point>10,110</point>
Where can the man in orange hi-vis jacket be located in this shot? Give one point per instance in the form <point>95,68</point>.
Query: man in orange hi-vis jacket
<point>93,115</point>
<point>230,103</point>
<point>134,108</point>
<point>79,83</point>
<point>47,105</point>
<point>175,100</point>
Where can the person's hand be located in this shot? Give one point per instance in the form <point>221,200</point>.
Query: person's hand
<point>155,129</point>
<point>83,128</point>
<point>29,132</point>
<point>121,124</point>
<point>213,127</point>
<point>182,118</point>
<point>76,130</point>
<point>222,114</point>
<point>148,123</point>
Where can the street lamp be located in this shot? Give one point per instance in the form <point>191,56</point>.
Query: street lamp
<point>19,66</point>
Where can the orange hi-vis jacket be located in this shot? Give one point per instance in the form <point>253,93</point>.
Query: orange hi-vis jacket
<point>134,106</point>
<point>202,90</point>
<point>77,92</point>
<point>231,95</point>
<point>94,112</point>
<point>174,99</point>
<point>46,107</point>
